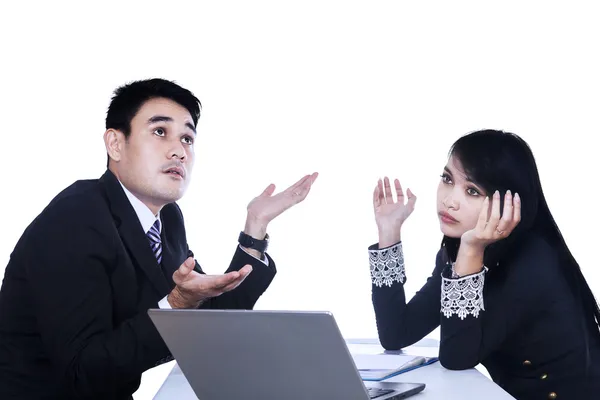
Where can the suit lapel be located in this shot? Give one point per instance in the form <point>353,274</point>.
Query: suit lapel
<point>132,233</point>
<point>169,263</point>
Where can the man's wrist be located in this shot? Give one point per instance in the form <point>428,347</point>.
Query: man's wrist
<point>255,227</point>
<point>178,300</point>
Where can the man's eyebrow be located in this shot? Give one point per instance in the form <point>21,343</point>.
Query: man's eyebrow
<point>192,128</point>
<point>164,118</point>
<point>159,118</point>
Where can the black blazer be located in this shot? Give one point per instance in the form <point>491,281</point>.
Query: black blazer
<point>75,295</point>
<point>527,332</point>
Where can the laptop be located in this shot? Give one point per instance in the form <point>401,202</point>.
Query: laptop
<point>250,354</point>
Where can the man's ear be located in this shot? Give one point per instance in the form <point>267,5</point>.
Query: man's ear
<point>114,141</point>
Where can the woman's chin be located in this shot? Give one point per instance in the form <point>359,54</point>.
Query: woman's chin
<point>451,231</point>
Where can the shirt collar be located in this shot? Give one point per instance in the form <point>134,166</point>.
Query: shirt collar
<point>146,217</point>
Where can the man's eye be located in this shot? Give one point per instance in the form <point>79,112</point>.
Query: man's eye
<point>159,132</point>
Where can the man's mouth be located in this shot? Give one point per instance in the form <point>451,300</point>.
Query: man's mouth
<point>177,171</point>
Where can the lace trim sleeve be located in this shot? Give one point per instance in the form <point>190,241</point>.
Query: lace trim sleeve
<point>387,265</point>
<point>463,296</point>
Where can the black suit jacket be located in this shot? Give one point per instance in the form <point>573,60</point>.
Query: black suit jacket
<point>529,334</point>
<point>75,295</point>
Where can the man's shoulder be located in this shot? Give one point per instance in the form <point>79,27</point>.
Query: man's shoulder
<point>77,207</point>
<point>81,201</point>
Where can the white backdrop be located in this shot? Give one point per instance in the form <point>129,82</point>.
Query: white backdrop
<point>353,90</point>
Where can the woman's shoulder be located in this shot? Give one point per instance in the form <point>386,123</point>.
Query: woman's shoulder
<point>535,257</point>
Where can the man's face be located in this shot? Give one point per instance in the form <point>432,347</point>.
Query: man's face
<point>155,162</point>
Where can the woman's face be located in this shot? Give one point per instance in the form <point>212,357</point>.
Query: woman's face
<point>459,200</point>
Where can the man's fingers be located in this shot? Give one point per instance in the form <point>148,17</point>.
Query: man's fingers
<point>205,286</point>
<point>300,189</point>
<point>303,183</point>
<point>188,264</point>
<point>308,180</point>
<point>233,285</point>
<point>269,190</point>
<point>299,183</point>
<point>234,276</point>
<point>245,270</point>
<point>307,185</point>
<point>226,279</point>
<point>301,192</point>
<point>184,269</point>
<point>242,274</point>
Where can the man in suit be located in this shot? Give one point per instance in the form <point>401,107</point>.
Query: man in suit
<point>74,300</point>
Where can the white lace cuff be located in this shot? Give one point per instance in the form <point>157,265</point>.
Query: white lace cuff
<point>463,296</point>
<point>387,265</point>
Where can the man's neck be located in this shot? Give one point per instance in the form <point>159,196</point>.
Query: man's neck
<point>155,209</point>
<point>145,214</point>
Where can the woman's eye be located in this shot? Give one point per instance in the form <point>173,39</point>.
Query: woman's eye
<point>159,132</point>
<point>446,178</point>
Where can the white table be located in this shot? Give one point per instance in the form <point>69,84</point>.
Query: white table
<point>441,383</point>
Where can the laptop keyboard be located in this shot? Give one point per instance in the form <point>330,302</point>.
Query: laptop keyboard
<point>376,392</point>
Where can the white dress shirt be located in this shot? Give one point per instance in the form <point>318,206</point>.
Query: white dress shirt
<point>147,219</point>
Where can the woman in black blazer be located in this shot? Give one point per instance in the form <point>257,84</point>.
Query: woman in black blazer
<point>506,291</point>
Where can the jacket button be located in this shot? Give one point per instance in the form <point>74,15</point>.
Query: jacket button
<point>552,396</point>
<point>527,362</point>
<point>544,376</point>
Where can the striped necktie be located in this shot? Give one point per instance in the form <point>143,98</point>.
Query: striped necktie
<point>154,238</point>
